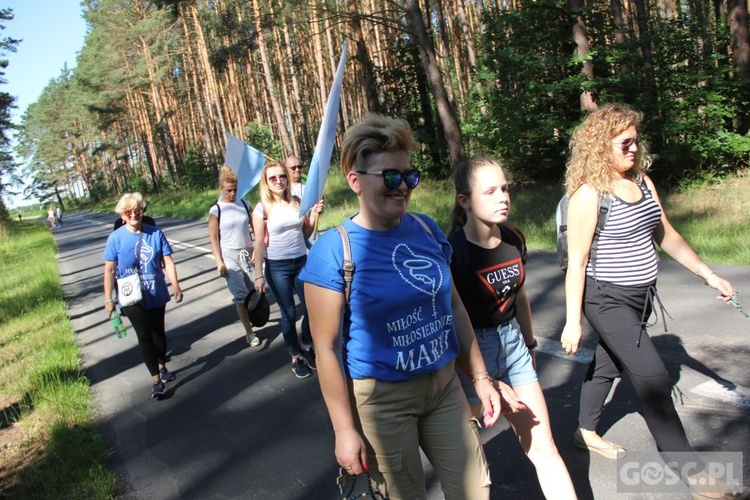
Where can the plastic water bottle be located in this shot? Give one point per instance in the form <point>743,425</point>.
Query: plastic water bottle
<point>117,324</point>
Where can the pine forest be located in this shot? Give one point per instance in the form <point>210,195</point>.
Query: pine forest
<point>159,83</point>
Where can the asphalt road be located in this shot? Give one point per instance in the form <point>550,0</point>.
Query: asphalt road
<point>237,424</point>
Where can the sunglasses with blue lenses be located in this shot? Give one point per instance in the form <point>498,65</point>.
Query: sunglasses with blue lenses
<point>393,178</point>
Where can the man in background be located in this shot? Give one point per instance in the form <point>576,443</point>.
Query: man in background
<point>293,164</point>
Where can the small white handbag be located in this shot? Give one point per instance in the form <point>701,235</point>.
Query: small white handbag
<point>129,288</point>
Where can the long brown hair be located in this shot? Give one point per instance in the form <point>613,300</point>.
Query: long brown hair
<point>463,182</point>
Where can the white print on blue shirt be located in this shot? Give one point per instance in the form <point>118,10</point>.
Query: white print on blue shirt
<point>147,255</point>
<point>417,267</point>
<point>409,360</point>
<point>423,274</point>
<point>400,323</point>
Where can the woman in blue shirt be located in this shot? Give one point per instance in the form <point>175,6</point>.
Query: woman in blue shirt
<point>140,248</point>
<point>386,351</point>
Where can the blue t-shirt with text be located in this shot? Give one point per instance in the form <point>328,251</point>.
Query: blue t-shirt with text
<point>122,248</point>
<point>400,321</point>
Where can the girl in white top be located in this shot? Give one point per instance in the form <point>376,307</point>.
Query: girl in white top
<point>229,231</point>
<point>282,232</point>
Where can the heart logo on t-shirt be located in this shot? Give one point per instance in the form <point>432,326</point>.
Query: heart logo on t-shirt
<point>419,271</point>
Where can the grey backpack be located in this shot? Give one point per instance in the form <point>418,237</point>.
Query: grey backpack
<point>561,220</point>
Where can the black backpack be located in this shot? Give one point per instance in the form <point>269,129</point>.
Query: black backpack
<point>561,220</point>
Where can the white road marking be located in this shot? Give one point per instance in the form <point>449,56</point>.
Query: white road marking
<point>738,395</point>
<point>207,252</point>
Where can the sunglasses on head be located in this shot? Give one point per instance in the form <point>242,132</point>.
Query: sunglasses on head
<point>277,178</point>
<point>625,144</point>
<point>133,211</point>
<point>393,178</point>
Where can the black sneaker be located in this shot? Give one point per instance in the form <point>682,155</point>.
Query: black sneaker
<point>158,390</point>
<point>165,375</point>
<point>300,368</point>
<point>310,358</point>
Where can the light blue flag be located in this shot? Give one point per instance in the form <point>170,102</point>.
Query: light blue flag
<point>246,161</point>
<point>316,178</point>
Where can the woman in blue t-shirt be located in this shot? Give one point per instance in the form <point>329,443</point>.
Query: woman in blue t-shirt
<point>488,269</point>
<point>139,248</point>
<point>387,345</point>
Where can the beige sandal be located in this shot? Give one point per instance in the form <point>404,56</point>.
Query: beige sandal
<point>610,451</point>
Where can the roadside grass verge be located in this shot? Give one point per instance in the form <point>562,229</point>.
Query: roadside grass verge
<point>50,445</point>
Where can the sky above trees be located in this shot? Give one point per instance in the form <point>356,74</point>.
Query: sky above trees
<point>52,32</point>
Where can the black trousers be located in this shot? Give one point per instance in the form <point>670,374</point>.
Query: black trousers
<point>149,327</point>
<point>618,315</point>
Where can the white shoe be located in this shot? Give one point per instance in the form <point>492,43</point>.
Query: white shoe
<point>253,340</point>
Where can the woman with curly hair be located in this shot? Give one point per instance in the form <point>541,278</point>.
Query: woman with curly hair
<point>617,292</point>
<point>277,224</point>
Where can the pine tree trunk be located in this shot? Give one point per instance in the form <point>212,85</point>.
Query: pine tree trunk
<point>449,122</point>
<point>363,56</point>
<point>581,40</point>
<point>740,42</point>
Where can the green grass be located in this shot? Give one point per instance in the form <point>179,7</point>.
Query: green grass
<point>46,415</point>
<point>712,218</point>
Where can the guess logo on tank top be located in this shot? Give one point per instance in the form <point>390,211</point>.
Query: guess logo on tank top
<point>502,280</point>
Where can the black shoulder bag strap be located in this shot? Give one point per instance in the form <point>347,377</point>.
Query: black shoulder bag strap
<point>604,207</point>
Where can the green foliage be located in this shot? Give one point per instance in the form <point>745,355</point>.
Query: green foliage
<point>200,173</point>
<point>261,137</point>
<point>680,77</point>
<point>136,184</point>
<point>7,103</point>
<point>410,99</point>
<point>528,91</point>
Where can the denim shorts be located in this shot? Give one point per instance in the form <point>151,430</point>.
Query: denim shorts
<point>506,356</point>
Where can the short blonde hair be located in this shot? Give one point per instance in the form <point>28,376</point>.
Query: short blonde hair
<point>227,175</point>
<point>591,153</point>
<point>375,134</point>
<point>129,201</point>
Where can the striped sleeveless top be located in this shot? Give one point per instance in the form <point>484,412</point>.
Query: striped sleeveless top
<point>626,254</point>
